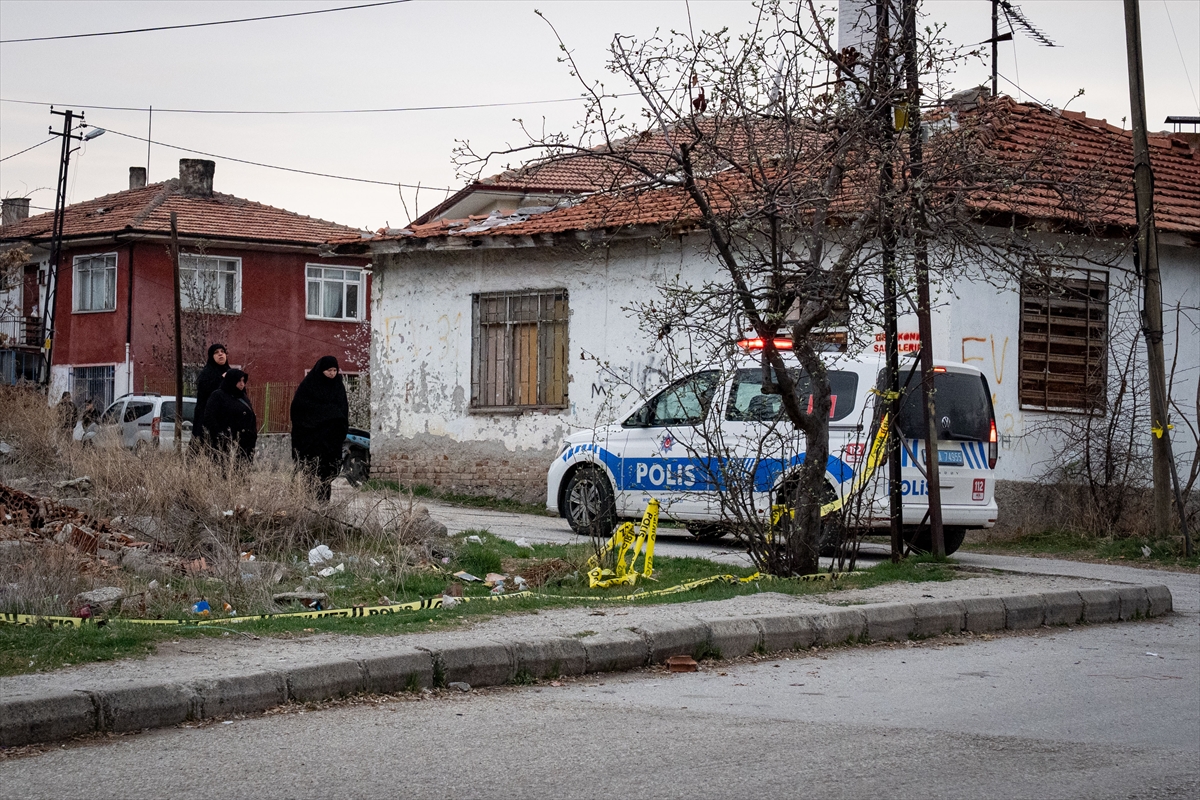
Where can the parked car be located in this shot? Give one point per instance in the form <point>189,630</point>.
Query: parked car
<point>356,456</point>
<point>717,430</point>
<point>138,421</point>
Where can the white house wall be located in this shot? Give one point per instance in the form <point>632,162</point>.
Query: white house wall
<point>425,433</point>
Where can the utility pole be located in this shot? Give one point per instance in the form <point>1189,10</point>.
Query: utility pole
<point>1164,469</point>
<point>60,203</point>
<point>995,41</point>
<point>921,267</point>
<point>178,338</point>
<point>883,90</point>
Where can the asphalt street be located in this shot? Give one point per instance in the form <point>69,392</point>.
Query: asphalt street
<point>1106,711</point>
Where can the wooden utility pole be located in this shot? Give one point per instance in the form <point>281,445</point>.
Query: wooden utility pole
<point>178,338</point>
<point>1164,469</point>
<point>921,267</point>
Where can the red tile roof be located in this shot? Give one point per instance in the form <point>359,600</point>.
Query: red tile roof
<point>148,210</point>
<point>1080,173</point>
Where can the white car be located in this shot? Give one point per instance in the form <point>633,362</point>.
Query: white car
<point>136,421</point>
<point>716,429</point>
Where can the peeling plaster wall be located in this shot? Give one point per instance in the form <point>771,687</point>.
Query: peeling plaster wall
<point>424,432</point>
<point>423,429</point>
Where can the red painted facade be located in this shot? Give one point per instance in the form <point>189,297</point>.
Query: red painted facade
<point>271,337</point>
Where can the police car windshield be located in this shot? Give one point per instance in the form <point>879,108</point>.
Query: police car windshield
<point>748,402</point>
<point>963,409</point>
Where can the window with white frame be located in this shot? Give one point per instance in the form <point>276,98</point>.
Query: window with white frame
<point>96,282</point>
<point>210,283</point>
<point>334,293</point>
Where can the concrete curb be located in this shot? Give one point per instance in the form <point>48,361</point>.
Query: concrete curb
<point>63,714</point>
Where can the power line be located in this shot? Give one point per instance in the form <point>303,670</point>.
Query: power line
<point>1186,73</point>
<point>276,166</point>
<point>27,149</point>
<point>201,24</point>
<point>398,110</point>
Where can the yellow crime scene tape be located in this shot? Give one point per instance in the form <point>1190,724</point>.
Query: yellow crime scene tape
<point>623,540</point>
<point>330,613</point>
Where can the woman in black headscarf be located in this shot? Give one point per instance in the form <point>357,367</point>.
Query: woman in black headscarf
<point>229,419</point>
<point>320,420</point>
<point>207,382</point>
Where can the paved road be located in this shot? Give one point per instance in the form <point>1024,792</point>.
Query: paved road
<point>1109,711</point>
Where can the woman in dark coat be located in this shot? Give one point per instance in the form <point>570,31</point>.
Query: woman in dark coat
<point>320,420</point>
<point>207,382</point>
<point>229,419</point>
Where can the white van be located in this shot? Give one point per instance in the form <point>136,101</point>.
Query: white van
<point>136,421</point>
<point>670,449</point>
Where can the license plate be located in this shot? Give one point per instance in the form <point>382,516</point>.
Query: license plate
<point>953,458</point>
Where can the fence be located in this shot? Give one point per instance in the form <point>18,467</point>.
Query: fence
<point>272,401</point>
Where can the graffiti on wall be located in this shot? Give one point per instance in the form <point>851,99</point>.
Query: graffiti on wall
<point>978,349</point>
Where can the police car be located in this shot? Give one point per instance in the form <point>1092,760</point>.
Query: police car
<point>716,430</point>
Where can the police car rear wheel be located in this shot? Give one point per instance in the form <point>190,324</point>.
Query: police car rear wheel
<point>590,505</point>
<point>922,541</point>
<point>707,532</point>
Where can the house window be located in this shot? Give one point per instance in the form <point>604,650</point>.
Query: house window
<point>93,383</point>
<point>96,282</point>
<point>1064,341</point>
<point>519,349</point>
<point>334,293</point>
<point>210,283</point>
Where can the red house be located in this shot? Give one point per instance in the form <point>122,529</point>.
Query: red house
<point>258,278</point>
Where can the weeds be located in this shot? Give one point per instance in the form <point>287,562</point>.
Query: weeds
<point>1071,543</point>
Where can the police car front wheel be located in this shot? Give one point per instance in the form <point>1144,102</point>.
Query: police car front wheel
<point>590,505</point>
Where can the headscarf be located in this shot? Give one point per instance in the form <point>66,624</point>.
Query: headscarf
<point>212,351</point>
<point>320,411</point>
<point>229,384</point>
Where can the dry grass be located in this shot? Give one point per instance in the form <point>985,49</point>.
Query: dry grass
<point>189,508</point>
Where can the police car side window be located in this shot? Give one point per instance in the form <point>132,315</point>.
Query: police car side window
<point>748,403</point>
<point>685,403</point>
<point>112,413</point>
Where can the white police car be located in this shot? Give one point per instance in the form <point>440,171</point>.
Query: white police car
<point>716,430</point>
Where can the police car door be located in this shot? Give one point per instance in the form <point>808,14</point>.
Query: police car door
<point>665,453</point>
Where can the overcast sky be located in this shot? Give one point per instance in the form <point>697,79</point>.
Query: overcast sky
<point>436,53</point>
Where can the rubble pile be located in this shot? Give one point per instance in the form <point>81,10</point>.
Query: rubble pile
<point>40,520</point>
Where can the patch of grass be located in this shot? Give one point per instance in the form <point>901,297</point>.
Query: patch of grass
<point>1073,544</point>
<point>468,500</point>
<point>39,648</point>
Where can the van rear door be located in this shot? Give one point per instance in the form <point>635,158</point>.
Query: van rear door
<point>965,423</point>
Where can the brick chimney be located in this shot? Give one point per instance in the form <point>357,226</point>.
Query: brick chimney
<point>137,177</point>
<point>15,210</point>
<point>196,176</point>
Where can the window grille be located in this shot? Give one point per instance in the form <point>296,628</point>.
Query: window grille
<point>519,349</point>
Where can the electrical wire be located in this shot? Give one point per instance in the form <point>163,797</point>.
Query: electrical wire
<point>273,166</point>
<point>27,149</point>
<point>267,112</point>
<point>201,24</point>
<point>1186,73</point>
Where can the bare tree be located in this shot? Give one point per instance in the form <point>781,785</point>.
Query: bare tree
<point>772,145</point>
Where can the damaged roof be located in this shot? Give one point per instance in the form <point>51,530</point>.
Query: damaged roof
<point>1080,170</point>
<point>147,210</point>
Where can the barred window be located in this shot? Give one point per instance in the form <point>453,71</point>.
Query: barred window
<point>209,283</point>
<point>1064,341</point>
<point>519,349</point>
<point>96,282</point>
<point>93,383</point>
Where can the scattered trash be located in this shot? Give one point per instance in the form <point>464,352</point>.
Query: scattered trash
<point>459,686</point>
<point>153,584</point>
<point>521,583</point>
<point>523,543</point>
<point>330,571</point>
<point>498,588</point>
<point>466,576</point>
<point>319,555</point>
<point>446,559</point>
<point>474,539</point>
<point>201,607</point>
<point>247,555</point>
<point>556,683</point>
<point>682,664</point>
<point>82,485</point>
<point>227,722</point>
<point>450,601</point>
<point>314,600</point>
<point>1156,655</point>
<point>494,578</point>
<point>228,608</point>
<point>1145,551</point>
